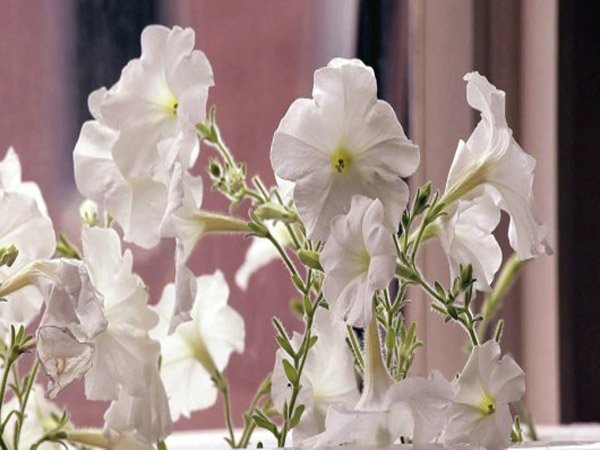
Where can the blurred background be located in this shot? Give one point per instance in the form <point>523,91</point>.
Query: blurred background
<point>543,53</point>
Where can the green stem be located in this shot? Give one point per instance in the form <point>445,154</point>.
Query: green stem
<point>296,387</point>
<point>288,262</point>
<point>223,387</point>
<point>23,402</point>
<point>8,362</point>
<point>249,424</point>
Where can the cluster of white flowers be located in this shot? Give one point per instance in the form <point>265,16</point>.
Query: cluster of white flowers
<point>341,206</point>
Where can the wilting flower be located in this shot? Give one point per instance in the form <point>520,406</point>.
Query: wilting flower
<point>261,252</point>
<point>142,126</point>
<point>466,236</point>
<point>340,143</point>
<point>480,413</point>
<point>492,163</point>
<point>25,225</point>
<point>328,377</point>
<point>124,349</point>
<point>358,258</point>
<point>413,407</point>
<point>73,317</point>
<point>199,348</point>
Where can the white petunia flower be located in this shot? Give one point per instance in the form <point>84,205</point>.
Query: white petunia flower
<point>466,236</point>
<point>261,252</point>
<point>124,349</point>
<point>327,379</point>
<point>341,143</point>
<point>358,258</point>
<point>139,421</point>
<point>492,162</point>
<point>73,317</point>
<point>142,126</point>
<point>159,96</point>
<point>480,413</point>
<point>198,348</point>
<point>38,420</point>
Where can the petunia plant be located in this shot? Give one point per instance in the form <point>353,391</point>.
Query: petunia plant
<point>341,219</point>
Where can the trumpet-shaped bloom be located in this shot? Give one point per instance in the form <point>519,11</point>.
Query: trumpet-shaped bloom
<point>159,96</point>
<point>142,126</point>
<point>341,143</point>
<point>197,348</point>
<point>492,162</point>
<point>358,258</point>
<point>466,236</point>
<point>328,377</point>
<point>124,349</point>
<point>487,384</point>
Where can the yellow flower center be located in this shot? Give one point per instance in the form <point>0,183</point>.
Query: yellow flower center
<point>487,405</point>
<point>171,104</point>
<point>341,159</point>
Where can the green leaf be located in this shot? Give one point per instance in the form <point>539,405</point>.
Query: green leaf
<point>265,423</point>
<point>295,420</point>
<point>286,346</point>
<point>290,372</point>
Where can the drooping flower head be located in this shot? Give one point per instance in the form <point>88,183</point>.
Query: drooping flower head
<point>197,348</point>
<point>492,163</point>
<point>358,258</point>
<point>341,143</point>
<point>480,411</point>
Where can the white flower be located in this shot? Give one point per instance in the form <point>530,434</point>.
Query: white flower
<point>38,420</point>
<point>200,347</point>
<point>144,417</point>
<point>358,258</point>
<point>487,384</point>
<point>24,223</point>
<point>261,252</point>
<point>143,125</point>
<point>340,143</point>
<point>159,96</point>
<point>124,349</point>
<point>73,317</point>
<point>466,236</point>
<point>492,162</point>
<point>327,379</point>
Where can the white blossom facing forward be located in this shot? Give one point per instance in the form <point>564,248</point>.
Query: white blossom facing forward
<point>159,96</point>
<point>358,259</point>
<point>492,162</point>
<point>341,143</point>
<point>143,125</point>
<point>199,348</point>
<point>480,411</point>
<point>328,377</point>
